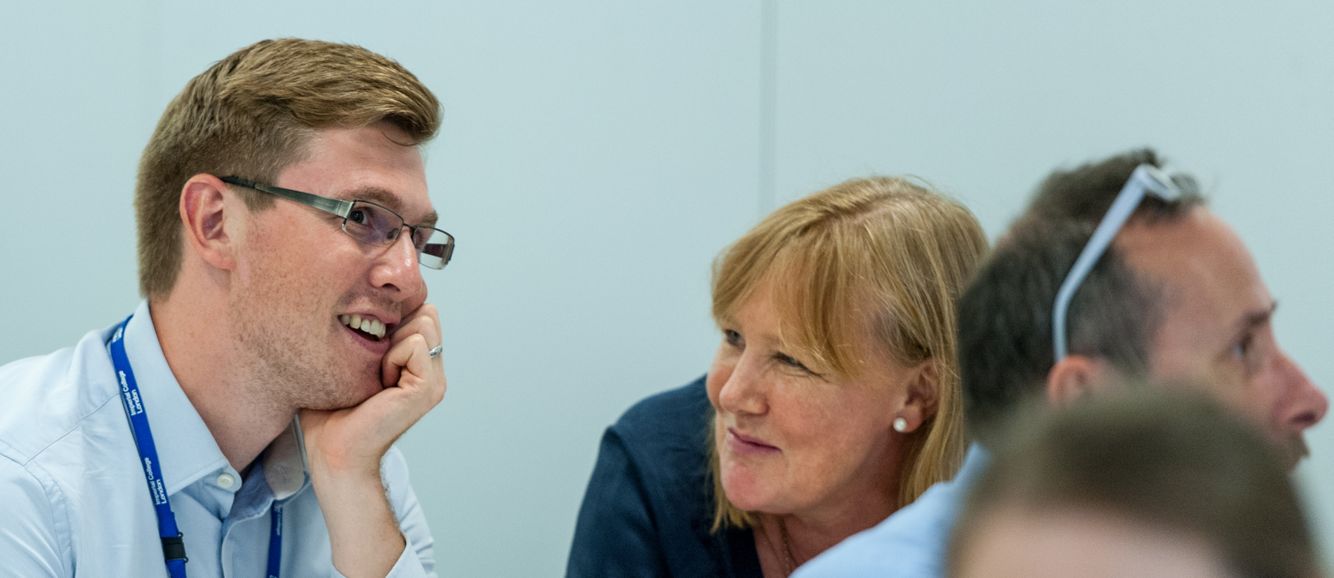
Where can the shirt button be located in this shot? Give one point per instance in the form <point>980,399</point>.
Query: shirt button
<point>226,480</point>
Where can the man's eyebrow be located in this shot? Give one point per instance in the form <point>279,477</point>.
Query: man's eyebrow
<point>1257,318</point>
<point>383,197</point>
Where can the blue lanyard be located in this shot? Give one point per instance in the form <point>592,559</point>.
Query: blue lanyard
<point>276,540</point>
<point>173,542</point>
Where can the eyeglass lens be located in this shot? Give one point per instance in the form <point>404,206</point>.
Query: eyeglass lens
<point>376,225</point>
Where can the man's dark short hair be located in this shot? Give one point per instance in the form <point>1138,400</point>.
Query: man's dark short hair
<point>1005,314</point>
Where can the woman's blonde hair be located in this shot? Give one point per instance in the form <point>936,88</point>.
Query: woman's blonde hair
<point>884,254</point>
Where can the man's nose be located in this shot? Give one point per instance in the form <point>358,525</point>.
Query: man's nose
<point>398,269</point>
<point>1307,405</point>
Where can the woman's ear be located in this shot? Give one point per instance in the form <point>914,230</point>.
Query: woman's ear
<point>204,214</point>
<point>1074,378</point>
<point>922,396</point>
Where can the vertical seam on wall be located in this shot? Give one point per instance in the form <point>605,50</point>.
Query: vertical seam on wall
<point>768,105</point>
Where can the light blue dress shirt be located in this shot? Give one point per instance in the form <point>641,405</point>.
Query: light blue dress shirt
<point>73,494</point>
<point>911,543</point>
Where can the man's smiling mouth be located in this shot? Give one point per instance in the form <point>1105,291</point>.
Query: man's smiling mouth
<point>372,328</point>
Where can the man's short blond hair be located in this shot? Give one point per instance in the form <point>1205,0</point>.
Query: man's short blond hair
<point>251,114</point>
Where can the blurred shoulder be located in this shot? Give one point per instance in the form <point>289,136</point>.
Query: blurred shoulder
<point>672,417</point>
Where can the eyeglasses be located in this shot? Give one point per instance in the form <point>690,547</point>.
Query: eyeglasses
<point>1146,179</point>
<point>367,222</point>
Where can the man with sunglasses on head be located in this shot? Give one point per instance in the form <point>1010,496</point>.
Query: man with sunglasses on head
<point>240,422</point>
<point>1116,271</point>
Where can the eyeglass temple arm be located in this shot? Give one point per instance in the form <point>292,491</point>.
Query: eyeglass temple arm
<point>1140,181</point>
<point>334,206</point>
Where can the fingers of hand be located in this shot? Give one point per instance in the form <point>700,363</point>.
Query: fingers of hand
<point>407,355</point>
<point>425,321</point>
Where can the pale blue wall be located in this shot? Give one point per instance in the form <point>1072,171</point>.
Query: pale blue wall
<point>595,156</point>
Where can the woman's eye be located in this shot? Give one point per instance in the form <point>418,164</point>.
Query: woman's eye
<point>732,338</point>
<point>792,362</point>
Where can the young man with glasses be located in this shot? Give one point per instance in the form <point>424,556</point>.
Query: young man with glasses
<point>1116,271</point>
<point>241,420</point>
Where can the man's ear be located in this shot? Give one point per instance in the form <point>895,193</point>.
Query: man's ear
<point>1074,378</point>
<point>922,396</point>
<point>204,213</point>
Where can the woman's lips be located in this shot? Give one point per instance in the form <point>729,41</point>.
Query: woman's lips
<point>745,445</point>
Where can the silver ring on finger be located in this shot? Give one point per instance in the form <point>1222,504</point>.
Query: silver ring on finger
<point>435,351</point>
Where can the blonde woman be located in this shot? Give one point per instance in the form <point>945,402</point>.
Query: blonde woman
<point>832,401</point>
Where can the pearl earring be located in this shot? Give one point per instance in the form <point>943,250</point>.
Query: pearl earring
<point>900,425</point>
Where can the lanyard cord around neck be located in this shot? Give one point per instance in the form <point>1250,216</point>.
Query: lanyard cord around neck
<point>173,542</point>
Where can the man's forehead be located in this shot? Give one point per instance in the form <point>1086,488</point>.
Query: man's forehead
<point>1202,269</point>
<point>1196,247</point>
<point>369,163</point>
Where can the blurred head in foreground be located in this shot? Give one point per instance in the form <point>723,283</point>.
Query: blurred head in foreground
<point>1152,481</point>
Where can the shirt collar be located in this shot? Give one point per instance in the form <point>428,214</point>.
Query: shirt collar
<point>186,449</point>
<point>285,463</point>
<point>974,463</point>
